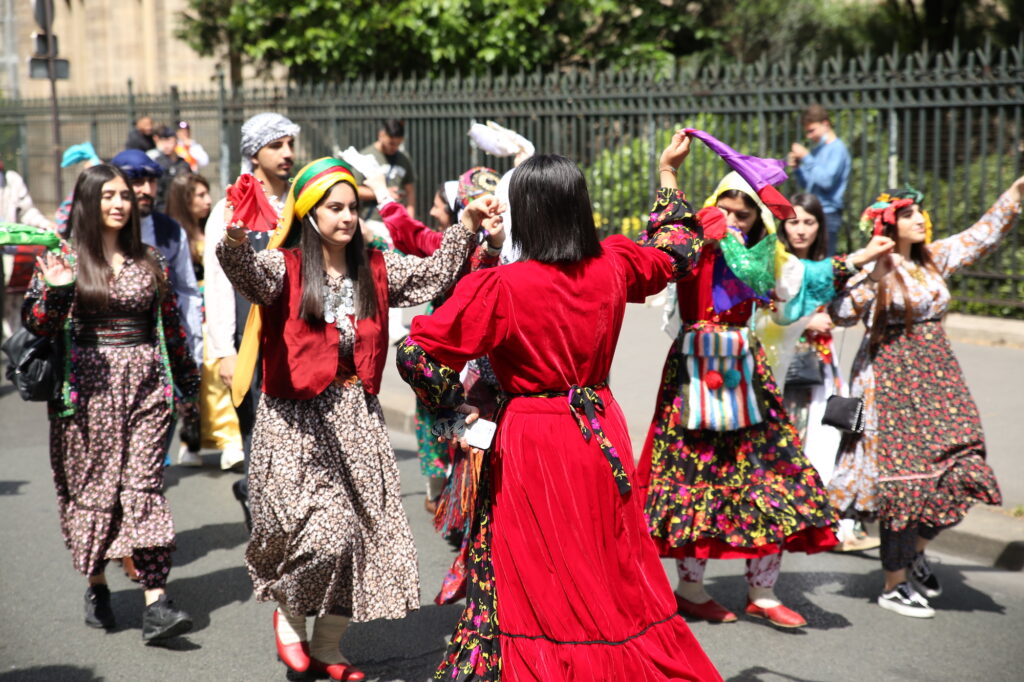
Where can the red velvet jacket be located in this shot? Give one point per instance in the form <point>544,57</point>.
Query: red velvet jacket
<point>300,360</point>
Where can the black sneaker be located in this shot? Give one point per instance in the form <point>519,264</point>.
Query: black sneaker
<point>906,602</point>
<point>240,489</point>
<point>161,620</point>
<point>924,580</point>
<point>98,613</point>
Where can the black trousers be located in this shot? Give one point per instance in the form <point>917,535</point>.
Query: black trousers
<point>899,547</point>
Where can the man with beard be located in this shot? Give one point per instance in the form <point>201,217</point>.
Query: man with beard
<point>168,237</point>
<point>268,152</point>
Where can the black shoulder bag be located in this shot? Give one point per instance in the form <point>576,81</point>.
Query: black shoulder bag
<point>35,364</point>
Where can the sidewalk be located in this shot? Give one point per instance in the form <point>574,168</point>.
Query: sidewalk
<point>990,350</point>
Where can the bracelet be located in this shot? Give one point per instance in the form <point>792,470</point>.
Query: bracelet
<point>233,240</point>
<point>668,169</point>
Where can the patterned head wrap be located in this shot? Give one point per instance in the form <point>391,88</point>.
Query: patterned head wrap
<point>311,184</point>
<point>477,182</point>
<point>261,130</point>
<point>882,212</point>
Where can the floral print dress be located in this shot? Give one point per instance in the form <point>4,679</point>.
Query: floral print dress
<point>108,429</point>
<point>921,458</point>
<point>329,532</point>
<point>738,493</point>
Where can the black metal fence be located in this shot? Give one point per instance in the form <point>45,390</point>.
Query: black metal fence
<point>949,123</point>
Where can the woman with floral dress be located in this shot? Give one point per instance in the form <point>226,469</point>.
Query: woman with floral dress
<point>725,474</point>
<point>920,463</point>
<point>107,297</point>
<point>330,538</point>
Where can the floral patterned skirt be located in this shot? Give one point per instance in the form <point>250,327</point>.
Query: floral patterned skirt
<point>329,532</point>
<point>730,494</point>
<point>930,447</point>
<point>108,458</point>
<point>433,455</point>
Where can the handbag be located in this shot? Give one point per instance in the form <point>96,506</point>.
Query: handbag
<point>805,370</point>
<point>34,365</point>
<point>721,395</point>
<point>845,414</point>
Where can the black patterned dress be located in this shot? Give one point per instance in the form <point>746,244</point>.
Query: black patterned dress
<point>108,428</point>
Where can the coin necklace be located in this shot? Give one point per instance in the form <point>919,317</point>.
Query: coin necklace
<point>339,303</point>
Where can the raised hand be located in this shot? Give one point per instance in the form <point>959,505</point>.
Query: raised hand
<point>56,270</point>
<point>495,229</point>
<point>875,249</point>
<point>479,209</point>
<point>1017,188</point>
<point>677,150</point>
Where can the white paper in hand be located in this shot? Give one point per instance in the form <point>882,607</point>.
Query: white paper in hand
<point>364,163</point>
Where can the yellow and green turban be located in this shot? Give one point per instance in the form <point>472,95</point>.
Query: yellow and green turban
<point>309,187</point>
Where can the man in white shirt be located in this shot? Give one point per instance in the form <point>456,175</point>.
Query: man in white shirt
<point>268,152</point>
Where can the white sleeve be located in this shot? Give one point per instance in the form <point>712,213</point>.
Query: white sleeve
<point>220,295</point>
<point>199,154</point>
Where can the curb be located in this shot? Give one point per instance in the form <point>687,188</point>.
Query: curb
<point>987,331</point>
<point>987,534</point>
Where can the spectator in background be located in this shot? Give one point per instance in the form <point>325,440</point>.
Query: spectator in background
<point>824,170</point>
<point>16,206</point>
<point>401,181</point>
<point>141,136</point>
<point>189,203</point>
<point>398,170</point>
<point>188,149</point>
<point>268,152</point>
<point>172,165</point>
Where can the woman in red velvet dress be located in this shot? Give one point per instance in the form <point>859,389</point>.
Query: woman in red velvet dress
<point>564,582</point>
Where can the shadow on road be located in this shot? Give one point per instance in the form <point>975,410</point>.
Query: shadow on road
<point>415,644</point>
<point>199,595</point>
<point>755,675</point>
<point>49,673</point>
<point>11,487</point>
<point>196,543</point>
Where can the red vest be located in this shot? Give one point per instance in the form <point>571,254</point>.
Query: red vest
<point>300,360</point>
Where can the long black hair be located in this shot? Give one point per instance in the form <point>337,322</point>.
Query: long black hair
<point>85,227</point>
<point>357,260</point>
<point>818,249</point>
<point>758,231</point>
<point>553,220</point>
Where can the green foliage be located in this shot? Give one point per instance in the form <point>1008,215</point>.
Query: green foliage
<point>334,40</point>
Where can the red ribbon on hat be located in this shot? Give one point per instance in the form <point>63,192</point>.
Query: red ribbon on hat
<point>252,208</point>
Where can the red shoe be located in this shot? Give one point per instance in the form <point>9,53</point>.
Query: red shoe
<point>295,656</point>
<point>778,615</point>
<point>338,671</point>
<point>711,611</point>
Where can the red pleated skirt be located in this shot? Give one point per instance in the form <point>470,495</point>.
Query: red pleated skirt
<point>581,592</point>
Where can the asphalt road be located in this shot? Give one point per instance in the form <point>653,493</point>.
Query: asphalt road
<point>977,634</point>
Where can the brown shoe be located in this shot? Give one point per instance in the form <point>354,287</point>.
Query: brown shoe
<point>430,505</point>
